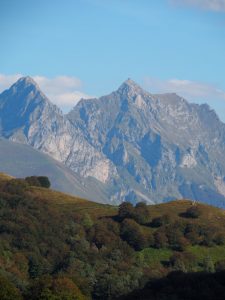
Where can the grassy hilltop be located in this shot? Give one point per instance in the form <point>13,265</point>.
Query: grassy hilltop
<point>55,246</point>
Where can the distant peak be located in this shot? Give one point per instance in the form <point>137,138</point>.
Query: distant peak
<point>130,86</point>
<point>26,85</point>
<point>130,83</point>
<point>27,80</point>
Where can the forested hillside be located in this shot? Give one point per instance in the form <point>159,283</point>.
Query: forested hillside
<point>55,246</point>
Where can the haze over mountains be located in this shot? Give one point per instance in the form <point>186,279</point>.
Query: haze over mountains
<point>137,145</point>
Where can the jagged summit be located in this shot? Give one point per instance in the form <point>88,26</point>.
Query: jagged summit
<point>129,86</point>
<point>25,82</point>
<point>24,89</point>
<point>130,82</point>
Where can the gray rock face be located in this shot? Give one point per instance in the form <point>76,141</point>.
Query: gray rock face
<point>27,116</point>
<point>20,161</point>
<point>140,146</point>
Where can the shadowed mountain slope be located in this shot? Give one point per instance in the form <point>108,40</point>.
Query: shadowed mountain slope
<point>21,160</point>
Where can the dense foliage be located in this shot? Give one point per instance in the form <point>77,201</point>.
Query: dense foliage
<point>58,247</point>
<point>179,285</point>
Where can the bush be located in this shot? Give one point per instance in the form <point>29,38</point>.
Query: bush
<point>126,210</point>
<point>141,213</point>
<point>220,265</point>
<point>192,233</point>
<point>208,265</point>
<point>175,234</point>
<point>102,234</point>
<point>219,238</point>
<point>160,221</point>
<point>132,233</point>
<point>8,291</point>
<point>161,240</point>
<point>185,261</point>
<point>193,212</point>
<point>44,181</point>
<point>47,288</point>
<point>15,186</point>
<point>33,181</point>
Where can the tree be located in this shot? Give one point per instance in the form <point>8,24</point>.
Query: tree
<point>8,291</point>
<point>193,212</point>
<point>219,238</point>
<point>49,288</point>
<point>220,265</point>
<point>160,221</point>
<point>192,233</point>
<point>15,186</point>
<point>161,240</point>
<point>141,213</point>
<point>132,233</point>
<point>208,265</point>
<point>185,261</point>
<point>66,289</point>
<point>35,267</point>
<point>33,181</point>
<point>44,181</point>
<point>126,210</point>
<point>86,221</point>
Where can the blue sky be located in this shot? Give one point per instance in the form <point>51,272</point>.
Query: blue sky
<point>77,48</point>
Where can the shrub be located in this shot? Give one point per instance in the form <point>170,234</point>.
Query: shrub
<point>161,240</point>
<point>126,210</point>
<point>141,213</point>
<point>102,234</point>
<point>33,181</point>
<point>8,291</point>
<point>15,186</point>
<point>192,233</point>
<point>193,212</point>
<point>185,261</point>
<point>208,265</point>
<point>86,221</point>
<point>219,238</point>
<point>48,288</point>
<point>132,233</point>
<point>44,181</point>
<point>220,265</point>
<point>160,221</point>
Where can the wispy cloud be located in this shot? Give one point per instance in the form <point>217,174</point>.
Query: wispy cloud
<point>191,90</point>
<point>7,80</point>
<point>214,5</point>
<point>64,91</point>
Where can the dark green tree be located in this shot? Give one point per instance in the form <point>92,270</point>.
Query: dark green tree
<point>126,210</point>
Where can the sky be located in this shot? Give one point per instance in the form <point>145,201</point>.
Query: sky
<point>87,48</point>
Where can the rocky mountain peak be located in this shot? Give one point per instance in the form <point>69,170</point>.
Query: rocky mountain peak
<point>25,83</point>
<point>23,92</point>
<point>129,88</point>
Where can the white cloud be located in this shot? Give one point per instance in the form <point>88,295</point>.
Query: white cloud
<point>7,80</point>
<point>190,90</point>
<point>63,91</point>
<point>214,5</point>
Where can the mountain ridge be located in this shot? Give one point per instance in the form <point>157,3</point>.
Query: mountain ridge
<point>142,147</point>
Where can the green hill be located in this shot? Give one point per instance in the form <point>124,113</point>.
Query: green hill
<point>55,246</point>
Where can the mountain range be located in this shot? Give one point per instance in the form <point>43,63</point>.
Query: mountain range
<point>134,145</point>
